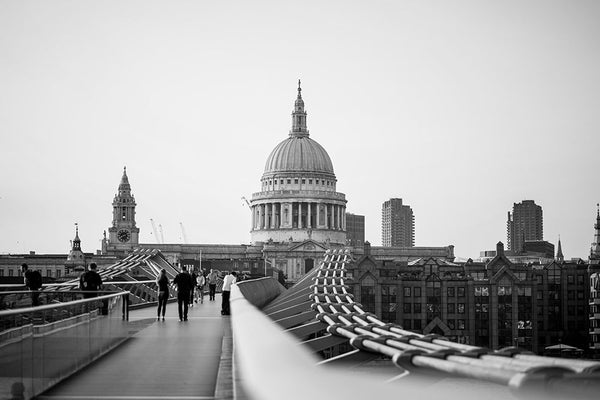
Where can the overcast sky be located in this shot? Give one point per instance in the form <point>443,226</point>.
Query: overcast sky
<point>460,108</point>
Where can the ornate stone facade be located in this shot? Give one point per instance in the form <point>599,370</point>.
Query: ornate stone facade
<point>298,200</point>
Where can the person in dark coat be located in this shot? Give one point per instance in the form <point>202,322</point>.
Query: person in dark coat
<point>90,281</point>
<point>33,281</point>
<point>184,284</point>
<point>163,293</point>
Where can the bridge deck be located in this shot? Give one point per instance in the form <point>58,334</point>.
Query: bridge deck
<point>170,359</point>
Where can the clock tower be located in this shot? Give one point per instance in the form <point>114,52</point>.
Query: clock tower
<point>123,235</point>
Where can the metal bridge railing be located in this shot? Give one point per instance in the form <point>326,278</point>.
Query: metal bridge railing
<point>45,344</point>
<point>320,312</point>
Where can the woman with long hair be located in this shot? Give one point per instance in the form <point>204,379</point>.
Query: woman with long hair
<point>163,293</point>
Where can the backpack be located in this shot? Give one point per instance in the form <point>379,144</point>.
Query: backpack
<point>35,279</point>
<point>89,281</point>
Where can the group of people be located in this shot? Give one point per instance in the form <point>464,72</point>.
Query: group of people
<point>89,282</point>
<point>190,290</point>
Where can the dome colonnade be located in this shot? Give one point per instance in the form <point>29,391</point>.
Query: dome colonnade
<point>298,200</point>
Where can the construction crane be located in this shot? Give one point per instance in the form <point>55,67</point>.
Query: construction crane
<point>247,202</point>
<point>183,233</point>
<point>154,230</point>
<point>162,237</point>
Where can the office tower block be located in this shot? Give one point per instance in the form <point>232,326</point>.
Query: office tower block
<point>397,224</point>
<point>355,229</point>
<point>525,223</point>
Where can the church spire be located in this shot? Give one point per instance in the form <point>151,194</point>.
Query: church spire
<point>559,254</point>
<point>595,251</point>
<point>76,241</point>
<point>299,116</point>
<point>124,186</point>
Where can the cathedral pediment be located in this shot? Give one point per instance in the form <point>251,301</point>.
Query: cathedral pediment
<point>307,245</point>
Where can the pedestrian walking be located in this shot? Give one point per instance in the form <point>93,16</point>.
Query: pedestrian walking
<point>191,299</point>
<point>213,277</point>
<point>163,293</point>
<point>90,281</point>
<point>184,284</point>
<point>33,281</point>
<point>200,282</point>
<point>229,280</point>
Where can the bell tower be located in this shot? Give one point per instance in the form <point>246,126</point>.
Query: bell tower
<point>123,235</point>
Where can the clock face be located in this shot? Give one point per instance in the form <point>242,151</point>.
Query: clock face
<point>123,235</point>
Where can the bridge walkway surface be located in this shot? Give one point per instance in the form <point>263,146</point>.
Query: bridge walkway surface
<point>163,360</point>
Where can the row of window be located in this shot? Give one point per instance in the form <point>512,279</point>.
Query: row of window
<point>288,181</point>
<point>11,272</point>
<point>416,324</point>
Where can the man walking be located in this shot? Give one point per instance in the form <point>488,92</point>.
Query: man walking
<point>184,284</point>
<point>33,280</point>
<point>90,282</point>
<point>229,280</point>
<point>212,284</point>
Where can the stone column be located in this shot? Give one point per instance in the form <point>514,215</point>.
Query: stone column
<point>260,216</point>
<point>272,215</point>
<point>326,208</point>
<point>299,214</point>
<point>308,224</point>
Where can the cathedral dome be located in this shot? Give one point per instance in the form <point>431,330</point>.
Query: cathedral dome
<point>299,153</point>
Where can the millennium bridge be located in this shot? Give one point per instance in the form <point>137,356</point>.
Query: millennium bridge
<point>311,341</point>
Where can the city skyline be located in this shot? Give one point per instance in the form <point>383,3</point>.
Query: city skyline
<point>461,109</point>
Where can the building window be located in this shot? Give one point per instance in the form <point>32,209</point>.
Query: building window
<point>540,295</point>
<point>417,324</point>
<point>580,295</point>
<point>406,324</point>
<point>451,309</point>
<point>289,181</point>
<point>296,181</point>
<point>461,324</point>
<point>58,273</point>
<point>388,303</point>
<point>417,291</point>
<point>450,292</point>
<point>407,308</point>
<point>303,181</point>
<point>1,272</point>
<point>478,276</point>
<point>461,292</point>
<point>417,307</point>
<point>461,308</point>
<point>451,324</point>
<point>407,292</point>
<point>48,272</point>
<point>580,279</point>
<point>310,181</point>
<point>10,272</point>
<point>570,279</point>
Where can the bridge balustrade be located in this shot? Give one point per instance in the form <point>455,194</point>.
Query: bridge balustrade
<point>45,344</point>
<point>278,346</point>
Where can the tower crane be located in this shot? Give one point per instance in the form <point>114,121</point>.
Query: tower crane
<point>183,233</point>
<point>154,230</point>
<point>247,202</point>
<point>162,237</point>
